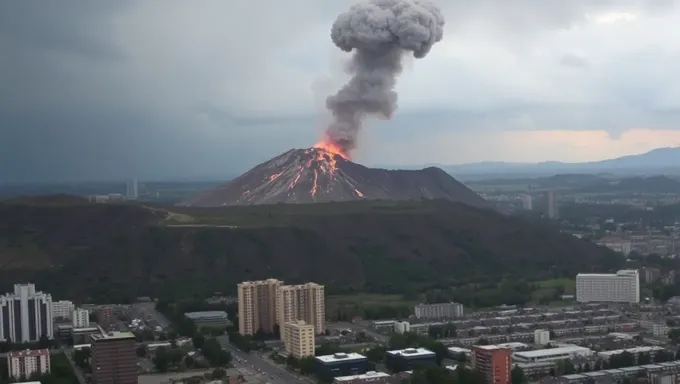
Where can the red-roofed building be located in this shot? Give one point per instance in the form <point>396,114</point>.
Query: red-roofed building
<point>23,364</point>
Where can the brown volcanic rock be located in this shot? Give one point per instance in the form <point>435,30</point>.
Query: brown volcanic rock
<point>315,175</point>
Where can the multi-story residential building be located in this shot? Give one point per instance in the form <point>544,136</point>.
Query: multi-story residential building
<point>25,315</point>
<point>114,358</point>
<point>299,339</point>
<point>80,318</point>
<point>527,202</point>
<point>302,302</point>
<point>23,364</point>
<point>438,311</point>
<point>105,317</point>
<point>616,244</point>
<point>494,362</point>
<point>620,287</point>
<point>62,309</point>
<point>551,208</point>
<point>257,306</point>
<point>650,274</point>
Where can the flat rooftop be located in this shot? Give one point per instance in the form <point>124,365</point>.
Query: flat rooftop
<point>206,315</point>
<point>366,376</point>
<point>412,352</point>
<point>340,357</point>
<point>631,350</point>
<point>552,351</point>
<point>114,336</point>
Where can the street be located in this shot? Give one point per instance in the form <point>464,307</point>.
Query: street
<point>150,309</point>
<point>275,374</point>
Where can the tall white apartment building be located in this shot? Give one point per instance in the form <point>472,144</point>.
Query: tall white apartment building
<point>80,318</point>
<point>22,364</point>
<point>305,302</point>
<point>620,287</point>
<point>25,315</point>
<point>62,309</point>
<point>438,311</point>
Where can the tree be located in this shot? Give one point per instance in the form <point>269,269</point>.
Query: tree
<point>81,357</point>
<point>141,351</point>
<point>198,341</point>
<point>306,365</point>
<point>189,361</point>
<point>517,375</point>
<point>213,352</point>
<point>45,342</point>
<point>161,359</point>
<point>218,374</point>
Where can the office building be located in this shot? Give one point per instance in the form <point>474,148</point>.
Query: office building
<point>62,309</point>
<point>405,359</point>
<point>340,364</point>
<point>208,318</point>
<point>23,364</point>
<point>620,287</point>
<point>302,302</point>
<point>25,315</point>
<point>551,209</point>
<point>494,362</point>
<point>298,337</point>
<point>438,311</point>
<point>372,377</point>
<point>114,358</point>
<point>257,306</point>
<point>80,318</point>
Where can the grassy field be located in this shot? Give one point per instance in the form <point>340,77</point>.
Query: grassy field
<point>546,289</point>
<point>366,300</point>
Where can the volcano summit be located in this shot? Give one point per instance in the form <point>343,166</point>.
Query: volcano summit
<point>320,174</point>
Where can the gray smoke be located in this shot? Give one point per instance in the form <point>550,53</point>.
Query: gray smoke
<point>379,32</point>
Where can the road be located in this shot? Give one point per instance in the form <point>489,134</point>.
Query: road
<point>150,309</point>
<point>382,339</point>
<point>280,375</point>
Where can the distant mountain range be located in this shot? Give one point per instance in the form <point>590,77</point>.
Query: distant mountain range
<point>657,161</point>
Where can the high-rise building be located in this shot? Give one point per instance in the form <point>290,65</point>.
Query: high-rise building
<point>132,191</point>
<point>62,309</point>
<point>299,338</point>
<point>620,287</point>
<point>257,306</point>
<point>25,315</point>
<point>81,318</point>
<point>527,202</point>
<point>438,311</point>
<point>551,208</point>
<point>114,358</point>
<point>23,364</point>
<point>494,362</point>
<point>302,302</point>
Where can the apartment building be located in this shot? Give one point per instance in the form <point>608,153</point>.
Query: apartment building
<point>23,364</point>
<point>494,362</point>
<point>257,306</point>
<point>299,338</point>
<point>114,358</point>
<point>62,309</point>
<point>25,315</point>
<point>620,287</point>
<point>302,302</point>
<point>80,318</point>
<point>438,311</point>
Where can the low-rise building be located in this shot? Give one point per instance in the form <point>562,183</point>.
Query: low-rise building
<point>208,318</point>
<point>438,311</point>
<point>62,309</point>
<point>368,377</point>
<point>404,359</point>
<point>552,354</point>
<point>340,364</point>
<point>80,318</point>
<point>541,336</point>
<point>23,364</point>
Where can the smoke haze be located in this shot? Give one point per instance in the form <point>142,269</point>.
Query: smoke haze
<point>379,32</point>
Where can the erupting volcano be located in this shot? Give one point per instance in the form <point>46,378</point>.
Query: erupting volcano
<point>379,33</point>
<point>325,174</point>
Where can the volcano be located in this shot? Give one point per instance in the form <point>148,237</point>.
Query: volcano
<point>316,175</point>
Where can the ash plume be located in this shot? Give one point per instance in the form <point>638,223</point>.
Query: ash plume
<point>379,32</point>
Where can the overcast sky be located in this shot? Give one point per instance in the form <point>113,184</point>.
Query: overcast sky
<point>173,89</point>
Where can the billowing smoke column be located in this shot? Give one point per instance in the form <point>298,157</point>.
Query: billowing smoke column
<point>379,32</point>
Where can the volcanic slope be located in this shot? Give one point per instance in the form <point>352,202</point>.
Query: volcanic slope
<point>316,175</point>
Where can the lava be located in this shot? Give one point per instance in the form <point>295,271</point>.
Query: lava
<point>327,145</point>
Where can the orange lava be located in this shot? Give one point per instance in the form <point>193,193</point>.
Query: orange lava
<point>331,147</point>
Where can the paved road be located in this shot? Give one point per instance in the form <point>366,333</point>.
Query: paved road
<point>383,339</point>
<point>150,308</point>
<point>252,360</point>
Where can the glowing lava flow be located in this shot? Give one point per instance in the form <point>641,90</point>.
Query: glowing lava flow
<point>331,147</point>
